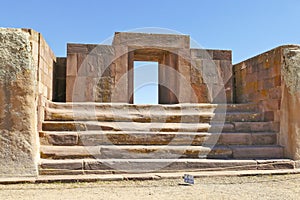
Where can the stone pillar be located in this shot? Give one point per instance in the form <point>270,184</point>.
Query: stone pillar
<point>18,114</point>
<point>168,79</point>
<point>121,91</point>
<point>290,105</point>
<point>185,90</point>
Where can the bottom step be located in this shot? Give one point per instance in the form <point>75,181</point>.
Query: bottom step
<point>115,166</point>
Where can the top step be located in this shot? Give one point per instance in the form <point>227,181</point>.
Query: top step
<point>201,107</point>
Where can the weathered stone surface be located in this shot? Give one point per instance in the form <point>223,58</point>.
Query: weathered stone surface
<point>129,115</point>
<point>291,69</point>
<point>134,152</point>
<point>64,167</point>
<point>69,152</point>
<point>248,107</point>
<point>264,138</point>
<point>59,139</point>
<point>90,69</point>
<point>275,164</point>
<point>18,126</point>
<point>115,166</point>
<point>119,107</point>
<point>98,166</point>
<point>218,128</point>
<point>255,126</point>
<point>238,117</point>
<point>93,138</point>
<point>235,139</point>
<point>297,164</point>
<point>142,138</point>
<point>163,165</point>
<point>75,164</point>
<point>151,40</point>
<point>124,126</point>
<point>289,136</point>
<point>222,55</point>
<point>220,152</point>
<point>258,77</point>
<point>153,152</point>
<point>240,152</point>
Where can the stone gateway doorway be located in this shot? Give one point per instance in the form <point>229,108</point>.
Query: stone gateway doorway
<point>167,68</point>
<point>105,73</point>
<point>145,82</point>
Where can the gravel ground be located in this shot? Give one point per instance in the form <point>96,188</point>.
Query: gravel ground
<point>253,187</point>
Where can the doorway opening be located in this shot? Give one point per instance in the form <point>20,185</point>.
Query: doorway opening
<point>145,82</point>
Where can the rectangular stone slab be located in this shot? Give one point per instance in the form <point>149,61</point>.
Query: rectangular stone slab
<point>18,126</point>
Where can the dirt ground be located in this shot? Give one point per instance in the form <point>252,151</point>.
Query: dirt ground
<point>252,187</point>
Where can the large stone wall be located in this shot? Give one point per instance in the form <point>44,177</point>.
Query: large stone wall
<point>211,75</point>
<point>258,80</point>
<point>44,58</point>
<point>26,63</point>
<point>88,71</point>
<point>263,80</point>
<point>104,73</point>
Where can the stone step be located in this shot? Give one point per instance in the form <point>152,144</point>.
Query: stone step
<point>125,107</point>
<point>252,138</point>
<point>161,152</point>
<point>247,127</point>
<point>94,138</point>
<point>145,116</point>
<point>114,166</point>
<point>267,151</point>
<point>256,126</point>
<point>160,127</point>
<point>125,116</point>
<point>237,117</point>
<point>134,152</point>
<point>245,107</point>
<point>124,126</point>
<point>200,107</point>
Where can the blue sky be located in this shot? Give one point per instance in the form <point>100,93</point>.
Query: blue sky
<point>245,27</point>
<point>145,88</point>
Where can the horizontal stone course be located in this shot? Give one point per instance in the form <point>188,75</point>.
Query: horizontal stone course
<point>240,152</point>
<point>117,166</point>
<point>160,152</point>
<point>124,126</point>
<point>133,152</point>
<point>92,138</point>
<point>192,116</point>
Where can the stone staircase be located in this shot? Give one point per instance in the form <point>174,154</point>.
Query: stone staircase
<point>90,138</point>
